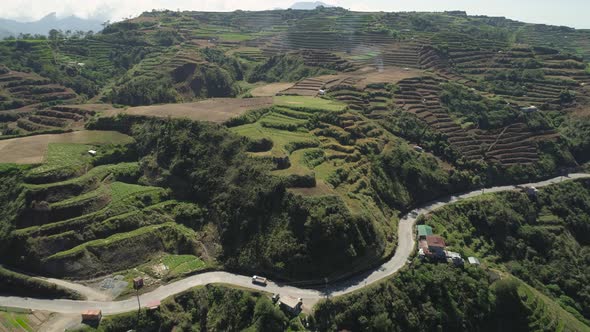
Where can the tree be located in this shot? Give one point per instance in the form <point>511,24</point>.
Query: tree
<point>54,34</point>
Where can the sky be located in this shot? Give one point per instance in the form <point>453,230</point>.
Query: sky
<point>571,13</point>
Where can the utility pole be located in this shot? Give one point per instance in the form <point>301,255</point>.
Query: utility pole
<point>137,285</point>
<point>326,286</point>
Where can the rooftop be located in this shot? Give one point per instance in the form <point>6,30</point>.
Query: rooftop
<point>424,230</point>
<point>290,302</point>
<point>92,312</point>
<point>473,260</point>
<point>435,241</point>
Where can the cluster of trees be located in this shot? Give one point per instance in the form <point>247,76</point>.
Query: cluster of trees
<point>544,240</point>
<point>428,297</point>
<point>485,113</point>
<point>262,226</point>
<point>402,178</point>
<point>577,132</point>
<point>55,34</point>
<point>12,200</point>
<point>144,91</point>
<point>284,67</point>
<point>22,285</point>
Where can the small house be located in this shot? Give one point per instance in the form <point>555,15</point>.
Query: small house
<point>473,261</point>
<point>291,304</point>
<point>92,316</point>
<point>436,245</point>
<point>92,152</point>
<point>529,109</point>
<point>321,92</point>
<point>424,231</point>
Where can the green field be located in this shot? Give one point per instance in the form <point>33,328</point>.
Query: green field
<point>15,322</point>
<point>64,157</point>
<point>178,265</point>
<point>316,103</point>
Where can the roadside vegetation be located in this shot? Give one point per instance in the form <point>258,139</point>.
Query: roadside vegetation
<point>542,240</point>
<point>211,308</point>
<point>16,284</point>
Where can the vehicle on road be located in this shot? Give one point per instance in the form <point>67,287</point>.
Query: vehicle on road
<point>259,280</point>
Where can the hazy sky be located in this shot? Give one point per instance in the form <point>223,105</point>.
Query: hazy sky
<point>558,12</point>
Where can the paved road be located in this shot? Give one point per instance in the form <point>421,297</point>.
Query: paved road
<point>406,243</point>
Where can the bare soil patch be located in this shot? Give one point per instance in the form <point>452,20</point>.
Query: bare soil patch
<point>214,110</point>
<point>32,149</point>
<point>368,75</point>
<point>270,90</point>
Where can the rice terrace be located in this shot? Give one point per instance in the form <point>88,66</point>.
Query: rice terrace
<point>305,169</point>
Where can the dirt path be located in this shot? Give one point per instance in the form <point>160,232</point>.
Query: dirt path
<point>91,294</point>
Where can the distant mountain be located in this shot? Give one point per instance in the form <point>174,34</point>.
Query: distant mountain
<point>309,5</point>
<point>42,26</point>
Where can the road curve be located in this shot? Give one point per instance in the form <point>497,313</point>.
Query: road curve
<point>405,247</point>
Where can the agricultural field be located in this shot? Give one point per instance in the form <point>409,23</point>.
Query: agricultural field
<point>214,110</point>
<point>269,90</point>
<point>15,320</point>
<point>34,149</point>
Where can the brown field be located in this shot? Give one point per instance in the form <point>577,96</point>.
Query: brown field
<point>91,107</point>
<point>214,110</point>
<point>368,75</point>
<point>270,90</point>
<point>32,149</point>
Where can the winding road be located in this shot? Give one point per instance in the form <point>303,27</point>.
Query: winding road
<point>405,248</point>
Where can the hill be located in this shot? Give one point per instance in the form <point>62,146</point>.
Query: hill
<point>359,118</point>
<point>48,22</point>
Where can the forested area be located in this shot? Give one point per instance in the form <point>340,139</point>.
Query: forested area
<point>441,297</point>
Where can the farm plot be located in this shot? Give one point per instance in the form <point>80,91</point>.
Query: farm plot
<point>269,90</point>
<point>213,110</point>
<point>33,149</point>
<point>17,320</point>
<point>305,87</point>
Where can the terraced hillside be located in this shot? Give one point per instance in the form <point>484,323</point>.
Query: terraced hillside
<point>23,91</point>
<point>509,145</point>
<point>80,220</point>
